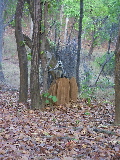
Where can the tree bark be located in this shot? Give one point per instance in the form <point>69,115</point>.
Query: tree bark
<point>117,81</point>
<point>34,75</point>
<point>1,39</point>
<point>43,49</point>
<point>66,29</point>
<point>45,43</point>
<point>23,64</point>
<point>79,45</point>
<point>92,43</point>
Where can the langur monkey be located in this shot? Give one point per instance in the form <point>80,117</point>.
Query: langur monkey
<point>54,68</point>
<point>57,71</point>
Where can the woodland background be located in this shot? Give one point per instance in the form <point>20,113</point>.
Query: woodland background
<point>79,130</point>
<point>99,35</point>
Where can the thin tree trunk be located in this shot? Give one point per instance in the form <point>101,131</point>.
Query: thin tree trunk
<point>66,30</point>
<point>1,38</point>
<point>34,75</point>
<point>23,64</point>
<point>79,45</point>
<point>31,27</point>
<point>92,44</point>
<point>43,49</point>
<point>117,81</point>
<point>61,25</point>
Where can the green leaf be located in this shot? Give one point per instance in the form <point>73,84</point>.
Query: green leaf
<point>22,43</point>
<point>50,96</point>
<point>89,100</point>
<point>77,121</point>
<point>87,113</point>
<point>54,98</point>
<point>54,119</point>
<point>42,52</point>
<point>47,101</point>
<point>45,94</point>
<point>29,57</point>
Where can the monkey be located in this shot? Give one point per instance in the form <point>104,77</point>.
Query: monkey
<point>54,67</point>
<point>57,71</point>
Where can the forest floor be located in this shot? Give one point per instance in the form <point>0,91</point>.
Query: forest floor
<point>76,131</point>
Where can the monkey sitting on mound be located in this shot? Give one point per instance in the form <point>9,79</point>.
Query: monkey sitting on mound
<point>58,71</point>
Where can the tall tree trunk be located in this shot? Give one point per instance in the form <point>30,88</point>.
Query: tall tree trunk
<point>1,38</point>
<point>66,29</point>
<point>117,81</point>
<point>43,49</point>
<point>61,16</point>
<point>34,75</point>
<point>79,45</point>
<point>23,93</point>
<point>92,43</point>
<point>31,28</point>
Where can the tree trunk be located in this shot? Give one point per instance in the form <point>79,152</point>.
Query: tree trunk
<point>23,64</point>
<point>31,27</point>
<point>92,43</point>
<point>1,39</point>
<point>79,45</point>
<point>43,49</point>
<point>66,29</point>
<point>34,75</point>
<point>117,81</point>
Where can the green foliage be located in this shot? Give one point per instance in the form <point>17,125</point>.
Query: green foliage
<point>29,56</point>
<point>49,99</point>
<point>110,65</point>
<point>22,43</point>
<point>12,23</point>
<point>94,15</point>
<point>93,21</point>
<point>42,52</point>
<point>77,122</point>
<point>104,82</point>
<point>113,9</point>
<point>87,113</point>
<point>73,11</point>
<point>9,9</point>
<point>54,120</point>
<point>87,93</point>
